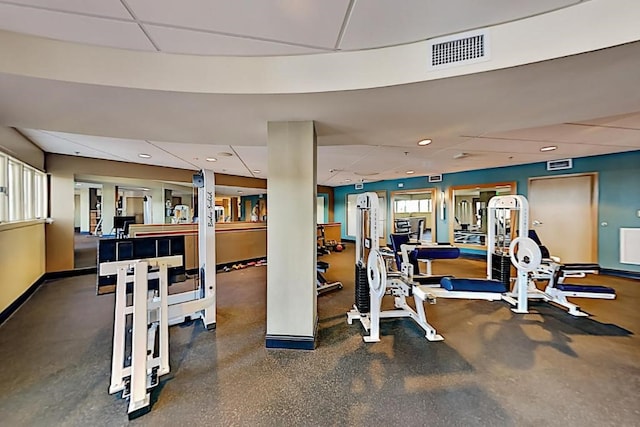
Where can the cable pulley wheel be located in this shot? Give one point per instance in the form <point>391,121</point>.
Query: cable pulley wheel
<point>376,273</point>
<point>527,257</point>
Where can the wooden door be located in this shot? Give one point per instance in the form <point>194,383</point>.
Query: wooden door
<point>563,211</point>
<point>247,210</point>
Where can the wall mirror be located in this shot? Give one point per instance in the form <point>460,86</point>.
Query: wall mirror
<point>150,202</point>
<point>468,222</point>
<point>413,212</point>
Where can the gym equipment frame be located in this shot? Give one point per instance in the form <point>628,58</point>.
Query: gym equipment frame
<point>152,310</point>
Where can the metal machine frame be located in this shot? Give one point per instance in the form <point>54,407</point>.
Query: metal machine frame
<point>143,314</point>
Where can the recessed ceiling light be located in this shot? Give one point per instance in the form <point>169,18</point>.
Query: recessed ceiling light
<point>347,180</point>
<point>410,172</point>
<point>78,184</point>
<point>257,171</point>
<point>424,142</point>
<point>225,154</point>
<point>144,156</point>
<point>366,173</point>
<point>211,159</point>
<point>549,148</point>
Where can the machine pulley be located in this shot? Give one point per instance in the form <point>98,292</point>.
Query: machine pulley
<point>527,256</point>
<point>376,273</point>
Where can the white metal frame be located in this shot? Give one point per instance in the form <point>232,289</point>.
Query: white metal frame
<point>150,313</point>
<point>153,311</point>
<point>399,285</point>
<point>523,288</point>
<point>207,246</point>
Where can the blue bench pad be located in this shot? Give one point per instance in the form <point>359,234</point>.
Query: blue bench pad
<point>435,253</point>
<point>473,285</point>
<point>585,289</point>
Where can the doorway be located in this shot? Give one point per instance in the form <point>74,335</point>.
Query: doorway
<point>563,211</point>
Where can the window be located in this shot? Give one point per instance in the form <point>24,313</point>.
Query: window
<point>23,192</point>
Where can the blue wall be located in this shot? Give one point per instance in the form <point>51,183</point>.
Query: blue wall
<point>618,195</point>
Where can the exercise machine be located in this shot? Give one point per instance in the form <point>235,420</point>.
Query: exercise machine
<point>526,255</point>
<point>414,253</point>
<point>322,284</point>
<point>373,281</point>
<point>144,310</point>
<point>555,273</point>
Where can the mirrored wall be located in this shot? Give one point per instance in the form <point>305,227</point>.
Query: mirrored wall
<point>414,212</point>
<point>468,227</point>
<point>103,206</point>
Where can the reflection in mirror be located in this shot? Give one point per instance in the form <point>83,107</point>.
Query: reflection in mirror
<point>469,224</point>
<point>104,205</point>
<point>413,212</point>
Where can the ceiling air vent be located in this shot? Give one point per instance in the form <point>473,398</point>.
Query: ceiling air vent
<point>555,165</point>
<point>459,49</point>
<point>435,178</point>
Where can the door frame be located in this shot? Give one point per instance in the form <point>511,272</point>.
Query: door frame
<point>594,204</point>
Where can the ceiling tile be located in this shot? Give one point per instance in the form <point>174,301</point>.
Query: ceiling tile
<point>397,22</point>
<point>629,121</point>
<point>173,40</point>
<point>196,154</point>
<point>305,22</point>
<point>576,134</point>
<point>108,8</point>
<point>73,28</point>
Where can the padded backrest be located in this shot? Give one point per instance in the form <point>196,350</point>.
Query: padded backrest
<point>543,249</point>
<point>534,236</point>
<point>397,240</point>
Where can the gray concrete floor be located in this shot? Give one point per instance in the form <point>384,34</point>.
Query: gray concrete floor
<point>495,368</point>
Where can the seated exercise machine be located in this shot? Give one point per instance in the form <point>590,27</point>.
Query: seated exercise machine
<point>373,282</point>
<point>414,253</point>
<point>144,310</point>
<point>555,272</point>
<point>322,284</point>
<point>526,254</point>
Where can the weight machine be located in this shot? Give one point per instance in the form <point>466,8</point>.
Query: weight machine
<point>373,281</point>
<point>144,310</point>
<point>525,254</point>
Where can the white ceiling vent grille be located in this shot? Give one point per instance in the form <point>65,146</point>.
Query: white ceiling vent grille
<point>459,49</point>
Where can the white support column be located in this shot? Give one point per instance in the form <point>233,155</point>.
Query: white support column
<point>291,240</point>
<point>108,207</point>
<point>157,195</point>
<point>84,210</point>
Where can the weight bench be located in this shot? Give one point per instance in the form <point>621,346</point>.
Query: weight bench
<point>481,289</point>
<point>408,253</point>
<point>560,291</point>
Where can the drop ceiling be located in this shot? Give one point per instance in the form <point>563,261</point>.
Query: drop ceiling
<point>586,104</point>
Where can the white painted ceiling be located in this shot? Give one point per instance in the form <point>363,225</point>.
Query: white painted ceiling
<point>585,104</point>
<point>258,27</point>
